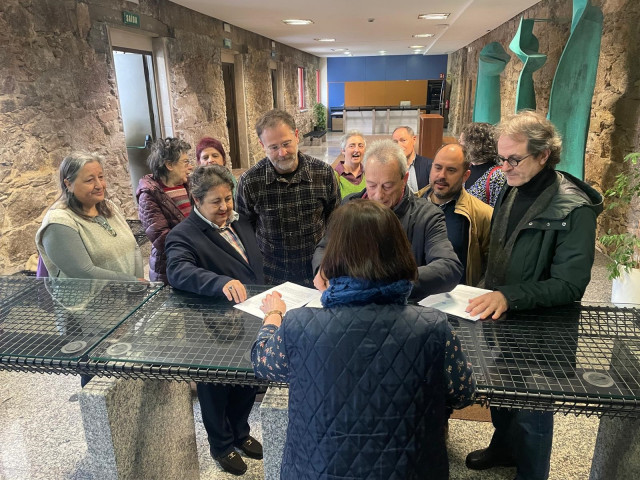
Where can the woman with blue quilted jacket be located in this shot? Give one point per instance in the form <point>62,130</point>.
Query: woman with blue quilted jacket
<point>369,376</point>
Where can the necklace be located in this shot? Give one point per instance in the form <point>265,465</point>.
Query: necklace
<point>100,220</point>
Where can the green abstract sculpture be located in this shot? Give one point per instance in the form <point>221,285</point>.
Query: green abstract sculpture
<point>573,85</point>
<point>525,45</point>
<point>491,63</point>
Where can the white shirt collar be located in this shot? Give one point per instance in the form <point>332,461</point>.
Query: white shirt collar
<point>234,216</point>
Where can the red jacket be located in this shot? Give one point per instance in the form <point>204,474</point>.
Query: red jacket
<point>158,214</point>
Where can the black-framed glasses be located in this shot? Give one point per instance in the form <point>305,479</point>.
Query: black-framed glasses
<point>513,160</point>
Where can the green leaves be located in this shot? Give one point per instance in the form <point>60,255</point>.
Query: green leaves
<point>625,247</point>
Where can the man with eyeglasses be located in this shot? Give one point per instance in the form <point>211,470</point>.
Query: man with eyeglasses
<point>540,255</point>
<point>288,197</point>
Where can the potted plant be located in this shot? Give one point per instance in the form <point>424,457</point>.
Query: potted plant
<point>319,117</point>
<point>624,248</point>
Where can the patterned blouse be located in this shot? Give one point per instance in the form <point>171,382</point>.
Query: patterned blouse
<point>270,362</point>
<point>496,182</point>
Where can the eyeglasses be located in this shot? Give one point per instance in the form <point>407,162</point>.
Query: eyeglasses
<point>275,148</point>
<point>512,160</point>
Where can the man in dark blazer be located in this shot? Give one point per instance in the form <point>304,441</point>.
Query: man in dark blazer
<point>419,166</point>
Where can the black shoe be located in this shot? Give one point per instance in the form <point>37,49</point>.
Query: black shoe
<point>232,463</point>
<point>488,458</point>
<point>251,447</point>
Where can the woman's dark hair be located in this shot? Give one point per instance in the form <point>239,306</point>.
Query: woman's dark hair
<point>480,142</point>
<point>208,142</point>
<point>366,241</point>
<point>165,151</point>
<point>206,177</point>
<point>69,169</point>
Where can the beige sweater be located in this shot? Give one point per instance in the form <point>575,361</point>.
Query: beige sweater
<point>118,256</point>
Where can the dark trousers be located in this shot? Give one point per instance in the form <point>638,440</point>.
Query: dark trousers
<point>526,436</point>
<point>225,414</point>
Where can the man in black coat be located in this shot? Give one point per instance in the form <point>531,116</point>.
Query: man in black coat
<point>439,269</point>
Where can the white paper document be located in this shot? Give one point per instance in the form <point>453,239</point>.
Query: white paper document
<point>454,302</point>
<point>294,295</point>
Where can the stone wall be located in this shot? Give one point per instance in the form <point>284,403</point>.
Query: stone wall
<point>58,94</point>
<point>615,112</point>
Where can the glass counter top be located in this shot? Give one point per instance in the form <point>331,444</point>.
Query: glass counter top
<point>62,319</point>
<point>187,330</point>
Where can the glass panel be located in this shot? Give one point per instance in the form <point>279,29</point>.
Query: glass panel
<point>63,319</point>
<point>184,329</point>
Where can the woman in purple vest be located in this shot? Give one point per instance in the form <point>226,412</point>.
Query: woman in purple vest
<point>369,376</point>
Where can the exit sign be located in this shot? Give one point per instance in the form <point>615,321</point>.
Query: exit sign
<point>130,18</point>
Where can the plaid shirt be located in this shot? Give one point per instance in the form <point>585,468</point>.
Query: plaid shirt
<point>289,216</point>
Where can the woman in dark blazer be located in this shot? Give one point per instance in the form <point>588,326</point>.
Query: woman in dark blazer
<point>214,252</point>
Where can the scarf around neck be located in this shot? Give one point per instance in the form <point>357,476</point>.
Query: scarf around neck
<point>354,291</point>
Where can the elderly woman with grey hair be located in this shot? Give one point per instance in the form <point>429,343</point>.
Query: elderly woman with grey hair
<point>83,235</point>
<point>214,253</point>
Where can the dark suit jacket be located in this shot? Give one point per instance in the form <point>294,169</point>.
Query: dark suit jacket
<point>201,261</point>
<point>423,170</point>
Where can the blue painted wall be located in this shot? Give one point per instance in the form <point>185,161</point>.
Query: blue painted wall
<point>391,67</point>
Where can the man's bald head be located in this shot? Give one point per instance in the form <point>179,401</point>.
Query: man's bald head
<point>449,171</point>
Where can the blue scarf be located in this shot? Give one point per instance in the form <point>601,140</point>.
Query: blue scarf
<point>354,291</point>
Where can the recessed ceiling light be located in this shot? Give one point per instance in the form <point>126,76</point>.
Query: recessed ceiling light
<point>417,52</point>
<point>422,35</point>
<point>434,16</point>
<point>338,49</point>
<point>347,53</point>
<point>295,21</point>
<point>325,39</point>
<point>382,52</point>
<point>416,46</point>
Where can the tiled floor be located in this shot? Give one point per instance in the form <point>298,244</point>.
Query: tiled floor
<point>41,434</point>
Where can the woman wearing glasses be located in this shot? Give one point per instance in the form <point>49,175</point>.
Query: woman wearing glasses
<point>83,235</point>
<point>163,198</point>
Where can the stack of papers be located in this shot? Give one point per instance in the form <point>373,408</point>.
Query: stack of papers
<point>454,302</point>
<point>293,295</point>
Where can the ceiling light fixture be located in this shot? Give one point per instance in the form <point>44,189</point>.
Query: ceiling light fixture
<point>337,49</point>
<point>347,53</point>
<point>422,35</point>
<point>416,46</point>
<point>295,21</point>
<point>434,16</point>
<point>382,52</point>
<point>325,39</point>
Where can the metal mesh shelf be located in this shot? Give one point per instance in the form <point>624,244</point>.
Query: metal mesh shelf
<point>575,359</point>
<point>62,319</point>
<point>198,337</point>
<point>138,231</point>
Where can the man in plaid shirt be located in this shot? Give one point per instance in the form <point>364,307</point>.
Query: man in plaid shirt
<point>288,197</point>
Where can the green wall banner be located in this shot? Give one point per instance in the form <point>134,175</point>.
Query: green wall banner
<point>573,85</point>
<point>491,63</point>
<point>525,45</point>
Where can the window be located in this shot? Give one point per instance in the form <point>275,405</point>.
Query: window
<point>302,102</point>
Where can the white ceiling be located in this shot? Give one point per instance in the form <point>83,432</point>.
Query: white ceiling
<point>347,22</point>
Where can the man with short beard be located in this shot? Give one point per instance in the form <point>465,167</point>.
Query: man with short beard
<point>288,197</point>
<point>468,218</point>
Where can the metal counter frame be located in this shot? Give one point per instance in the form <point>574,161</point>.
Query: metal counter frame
<point>582,359</point>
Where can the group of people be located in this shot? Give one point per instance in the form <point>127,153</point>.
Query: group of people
<point>371,377</point>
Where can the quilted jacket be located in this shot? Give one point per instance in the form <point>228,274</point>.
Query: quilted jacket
<point>158,214</point>
<point>366,393</point>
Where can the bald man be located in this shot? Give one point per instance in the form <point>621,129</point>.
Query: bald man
<point>468,218</point>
